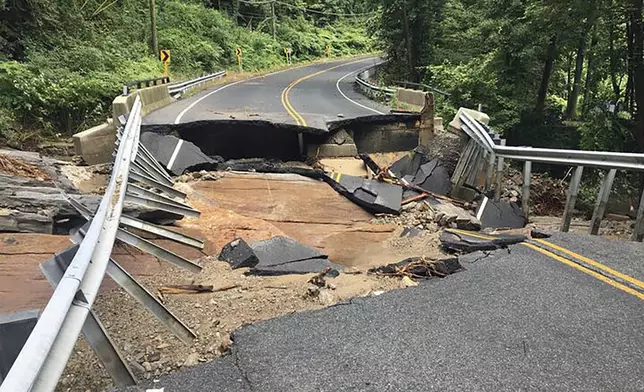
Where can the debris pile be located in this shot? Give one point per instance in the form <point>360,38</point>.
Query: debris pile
<point>276,256</point>
<point>202,175</point>
<point>419,268</point>
<point>431,215</point>
<point>547,195</point>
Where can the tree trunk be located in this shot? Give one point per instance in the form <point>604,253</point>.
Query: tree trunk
<point>410,64</point>
<point>590,87</point>
<point>547,72</point>
<point>628,98</point>
<point>613,63</point>
<point>637,29</point>
<point>573,99</point>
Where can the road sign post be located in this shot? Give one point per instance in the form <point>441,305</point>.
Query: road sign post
<point>164,56</point>
<point>238,53</point>
<point>288,52</point>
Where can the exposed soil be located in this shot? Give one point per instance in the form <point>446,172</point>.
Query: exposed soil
<point>255,207</point>
<point>88,179</point>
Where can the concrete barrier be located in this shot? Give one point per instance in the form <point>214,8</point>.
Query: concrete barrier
<point>414,99</point>
<point>96,144</point>
<point>455,125</point>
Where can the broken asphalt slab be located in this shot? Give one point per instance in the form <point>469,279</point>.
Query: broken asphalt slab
<point>177,155</point>
<point>275,256</point>
<point>283,255</point>
<point>372,195</point>
<point>501,214</point>
<point>239,254</point>
<point>461,241</point>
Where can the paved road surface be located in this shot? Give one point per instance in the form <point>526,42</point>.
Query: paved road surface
<point>520,320</point>
<point>310,95</point>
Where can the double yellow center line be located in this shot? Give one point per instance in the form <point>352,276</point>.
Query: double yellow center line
<point>581,263</point>
<point>299,120</point>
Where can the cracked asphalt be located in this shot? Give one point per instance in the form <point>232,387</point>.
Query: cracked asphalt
<point>514,320</point>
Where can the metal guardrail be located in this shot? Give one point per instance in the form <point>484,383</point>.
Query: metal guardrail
<point>176,88</point>
<point>371,89</point>
<point>77,273</point>
<point>139,84</point>
<point>483,147</point>
<point>183,86</point>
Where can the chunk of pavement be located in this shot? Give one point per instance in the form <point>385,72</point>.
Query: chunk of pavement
<point>501,214</point>
<point>282,250</point>
<point>284,256</point>
<point>372,195</point>
<point>295,268</point>
<point>408,165</point>
<point>239,254</point>
<point>177,155</point>
<point>462,242</point>
<point>433,177</point>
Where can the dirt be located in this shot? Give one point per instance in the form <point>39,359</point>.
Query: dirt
<point>255,207</point>
<point>613,229</point>
<point>88,179</point>
<point>17,167</point>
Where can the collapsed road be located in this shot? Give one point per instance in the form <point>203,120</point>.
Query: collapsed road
<point>327,221</point>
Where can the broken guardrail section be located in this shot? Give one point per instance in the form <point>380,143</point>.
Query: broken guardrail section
<point>485,149</point>
<point>77,272</point>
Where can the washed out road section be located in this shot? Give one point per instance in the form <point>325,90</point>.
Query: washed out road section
<point>514,320</point>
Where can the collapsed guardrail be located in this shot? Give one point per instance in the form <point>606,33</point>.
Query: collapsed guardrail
<point>482,147</point>
<point>77,273</point>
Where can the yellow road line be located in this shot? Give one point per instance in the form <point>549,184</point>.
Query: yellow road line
<point>594,274</point>
<point>471,234</point>
<point>594,263</point>
<point>299,120</point>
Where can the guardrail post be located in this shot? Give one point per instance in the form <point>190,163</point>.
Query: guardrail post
<point>499,175</point>
<point>602,201</point>
<point>489,175</point>
<point>527,174</point>
<point>573,192</point>
<point>638,231</point>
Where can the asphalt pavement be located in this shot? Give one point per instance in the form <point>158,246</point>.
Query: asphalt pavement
<point>514,320</point>
<point>317,93</point>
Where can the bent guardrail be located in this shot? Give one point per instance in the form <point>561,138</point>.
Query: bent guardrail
<point>482,147</point>
<point>77,272</point>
